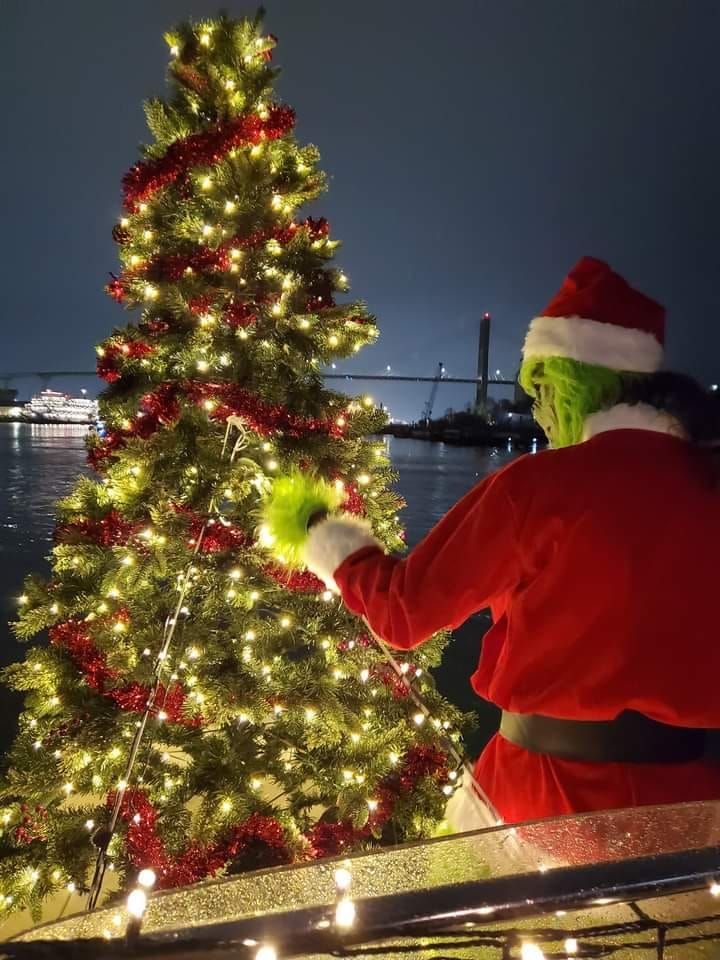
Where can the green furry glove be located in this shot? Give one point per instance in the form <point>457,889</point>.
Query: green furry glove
<point>294,503</point>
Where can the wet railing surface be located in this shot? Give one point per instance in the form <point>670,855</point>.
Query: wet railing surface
<point>639,883</point>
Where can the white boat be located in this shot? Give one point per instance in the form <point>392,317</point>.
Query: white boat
<point>51,406</point>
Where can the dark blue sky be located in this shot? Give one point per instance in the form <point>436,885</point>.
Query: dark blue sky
<point>475,150</point>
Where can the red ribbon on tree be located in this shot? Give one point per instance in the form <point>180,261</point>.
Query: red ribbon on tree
<point>201,149</point>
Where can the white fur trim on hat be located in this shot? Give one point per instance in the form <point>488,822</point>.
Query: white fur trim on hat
<point>333,540</point>
<point>640,416</point>
<point>589,341</point>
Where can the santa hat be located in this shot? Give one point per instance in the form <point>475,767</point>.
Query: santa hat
<point>597,318</point>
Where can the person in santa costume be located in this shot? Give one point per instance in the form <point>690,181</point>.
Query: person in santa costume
<point>598,559</point>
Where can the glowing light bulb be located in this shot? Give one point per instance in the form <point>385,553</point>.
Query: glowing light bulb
<point>333,340</point>
<point>276,202</point>
<point>143,208</point>
<point>715,889</point>
<point>23,599</point>
<point>124,222</point>
<point>205,39</point>
<point>203,366</point>
<point>327,595</point>
<point>571,945</point>
<point>363,479</point>
<point>137,903</point>
<point>147,234</point>
<point>345,914</point>
<point>271,464</point>
<point>266,953</point>
<point>531,951</point>
<point>175,50</point>
<point>151,292</point>
<point>419,719</point>
<point>68,788</point>
<point>147,878</point>
<point>285,622</point>
<point>206,183</point>
<point>207,230</point>
<point>310,713</point>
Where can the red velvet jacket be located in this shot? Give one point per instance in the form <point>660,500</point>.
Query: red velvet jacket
<point>600,565</point>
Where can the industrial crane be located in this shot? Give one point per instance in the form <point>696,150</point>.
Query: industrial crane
<point>427,411</point>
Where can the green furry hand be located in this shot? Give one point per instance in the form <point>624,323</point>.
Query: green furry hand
<point>289,509</point>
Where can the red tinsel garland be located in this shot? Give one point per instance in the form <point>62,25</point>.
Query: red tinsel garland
<point>172,267</point>
<point>238,315</point>
<point>331,839</point>
<point>354,502</point>
<point>385,674</point>
<point>265,419</point>
<point>198,861</point>
<point>32,826</point>
<point>114,353</point>
<point>219,537</point>
<point>133,698</point>
<point>112,530</point>
<point>162,408</point>
<point>301,581</point>
<point>199,149</point>
<point>72,636</point>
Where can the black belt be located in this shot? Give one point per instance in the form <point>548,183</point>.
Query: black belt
<point>630,738</point>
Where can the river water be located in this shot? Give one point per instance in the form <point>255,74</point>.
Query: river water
<point>39,463</point>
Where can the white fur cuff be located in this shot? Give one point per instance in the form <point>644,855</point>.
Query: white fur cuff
<point>589,341</point>
<point>333,540</point>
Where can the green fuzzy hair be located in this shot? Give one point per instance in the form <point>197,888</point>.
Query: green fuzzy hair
<point>287,510</point>
<point>566,392</point>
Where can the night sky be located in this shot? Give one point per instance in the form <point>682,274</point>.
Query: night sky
<point>475,151</point>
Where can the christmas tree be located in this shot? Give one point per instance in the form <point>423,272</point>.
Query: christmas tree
<point>200,707</point>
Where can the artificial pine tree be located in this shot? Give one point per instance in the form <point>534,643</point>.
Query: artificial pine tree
<point>200,707</point>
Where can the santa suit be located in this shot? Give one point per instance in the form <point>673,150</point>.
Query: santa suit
<point>599,563</point>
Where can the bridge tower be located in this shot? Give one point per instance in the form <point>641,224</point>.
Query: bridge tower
<point>481,391</point>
